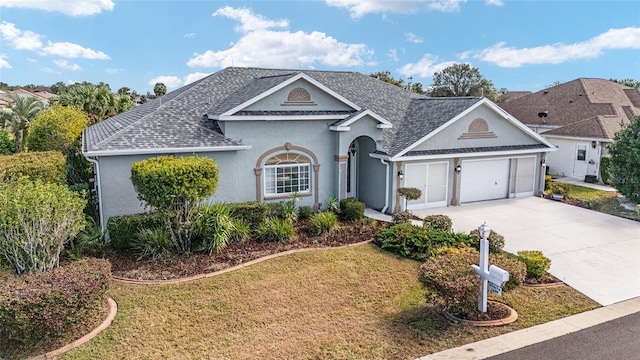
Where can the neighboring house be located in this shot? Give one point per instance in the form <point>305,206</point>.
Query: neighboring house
<point>274,132</point>
<point>42,96</point>
<point>581,118</point>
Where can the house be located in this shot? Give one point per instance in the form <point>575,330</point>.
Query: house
<point>42,96</point>
<point>581,118</point>
<point>274,132</point>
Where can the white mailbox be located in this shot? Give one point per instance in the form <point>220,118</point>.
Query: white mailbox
<point>498,276</point>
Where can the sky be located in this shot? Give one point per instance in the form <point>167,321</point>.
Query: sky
<point>518,45</point>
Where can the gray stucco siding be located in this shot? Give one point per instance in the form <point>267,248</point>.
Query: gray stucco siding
<point>321,100</point>
<point>506,133</point>
<point>118,196</point>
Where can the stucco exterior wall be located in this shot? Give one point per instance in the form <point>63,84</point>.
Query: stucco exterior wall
<point>321,100</point>
<point>505,133</point>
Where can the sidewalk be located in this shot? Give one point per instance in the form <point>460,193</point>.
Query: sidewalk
<point>525,337</point>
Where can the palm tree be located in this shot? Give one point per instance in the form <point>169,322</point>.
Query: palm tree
<point>16,120</point>
<point>98,102</point>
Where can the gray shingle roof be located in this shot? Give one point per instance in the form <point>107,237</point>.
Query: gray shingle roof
<point>179,118</point>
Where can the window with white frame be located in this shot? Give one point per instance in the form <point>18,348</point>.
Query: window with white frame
<point>286,174</point>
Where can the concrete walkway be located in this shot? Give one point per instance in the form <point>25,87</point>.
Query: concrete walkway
<point>596,254</point>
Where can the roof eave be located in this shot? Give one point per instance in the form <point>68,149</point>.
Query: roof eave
<point>98,153</point>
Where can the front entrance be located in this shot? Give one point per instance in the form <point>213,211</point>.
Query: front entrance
<point>580,161</point>
<point>431,179</point>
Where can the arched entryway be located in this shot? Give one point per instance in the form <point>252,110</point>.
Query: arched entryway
<point>365,176</point>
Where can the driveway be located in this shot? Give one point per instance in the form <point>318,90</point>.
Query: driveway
<point>596,254</point>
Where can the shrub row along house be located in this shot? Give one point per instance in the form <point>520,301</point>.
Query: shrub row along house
<point>580,117</point>
<point>321,134</point>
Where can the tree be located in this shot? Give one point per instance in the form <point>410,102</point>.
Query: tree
<point>159,89</point>
<point>7,145</point>
<point>175,187</point>
<point>386,77</point>
<point>20,113</point>
<point>56,128</point>
<point>628,82</point>
<point>36,220</point>
<point>625,157</point>
<point>97,101</point>
<point>462,80</point>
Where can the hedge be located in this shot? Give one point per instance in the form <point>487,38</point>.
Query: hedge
<point>351,209</point>
<point>39,308</point>
<point>124,230</point>
<point>47,166</point>
<point>416,242</point>
<point>252,212</point>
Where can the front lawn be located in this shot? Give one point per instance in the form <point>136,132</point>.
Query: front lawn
<point>352,303</point>
<point>606,202</point>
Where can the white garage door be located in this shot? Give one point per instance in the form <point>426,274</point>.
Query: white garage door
<point>484,180</point>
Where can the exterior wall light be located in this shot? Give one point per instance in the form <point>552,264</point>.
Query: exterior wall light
<point>400,174</point>
<point>458,169</point>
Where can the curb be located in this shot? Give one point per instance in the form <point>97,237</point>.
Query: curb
<point>113,310</point>
<point>233,268</point>
<point>513,316</point>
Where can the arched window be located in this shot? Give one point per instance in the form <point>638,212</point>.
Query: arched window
<point>287,173</point>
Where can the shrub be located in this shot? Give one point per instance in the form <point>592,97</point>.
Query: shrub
<point>175,186</point>
<point>416,242</point>
<point>496,241</point>
<point>252,212</point>
<point>56,128</point>
<point>7,145</point>
<point>324,222</point>
<point>241,230</point>
<point>124,230</point>
<point>46,166</point>
<point>272,229</point>
<point>410,193</point>
<point>351,209</point>
<point>537,264</point>
<point>560,188</point>
<point>451,280</point>
<point>333,204</point>
<point>214,225</point>
<point>44,306</point>
<point>438,222</point>
<point>547,182</point>
<point>36,221</point>
<point>401,217</point>
<point>151,243</point>
<point>290,211</point>
<point>305,212</point>
<point>605,169</point>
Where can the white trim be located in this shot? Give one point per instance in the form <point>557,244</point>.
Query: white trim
<point>472,154</point>
<point>491,105</point>
<point>165,150</point>
<point>577,138</point>
<point>278,117</point>
<point>280,86</point>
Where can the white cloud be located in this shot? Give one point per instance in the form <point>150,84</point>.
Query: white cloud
<point>425,67</point>
<point>49,70</point>
<point>248,20</point>
<point>28,40</point>
<point>113,71</point>
<point>20,40</point>
<point>68,7</point>
<point>261,46</point>
<point>189,35</point>
<point>4,64</point>
<point>501,55</point>
<point>168,81</point>
<point>63,64</point>
<point>393,54</point>
<point>413,38</point>
<point>194,77</point>
<point>494,2</point>
<point>71,50</point>
<point>359,8</point>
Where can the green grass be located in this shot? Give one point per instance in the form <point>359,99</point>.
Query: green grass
<point>353,303</point>
<point>588,194</point>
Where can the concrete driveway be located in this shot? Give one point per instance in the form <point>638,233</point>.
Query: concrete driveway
<point>596,254</point>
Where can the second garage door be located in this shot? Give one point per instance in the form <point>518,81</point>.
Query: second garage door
<point>484,180</point>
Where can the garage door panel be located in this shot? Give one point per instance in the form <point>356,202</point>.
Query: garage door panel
<point>416,177</point>
<point>432,180</point>
<point>484,180</point>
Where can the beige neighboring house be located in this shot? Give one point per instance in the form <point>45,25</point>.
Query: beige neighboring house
<point>42,96</point>
<point>580,117</point>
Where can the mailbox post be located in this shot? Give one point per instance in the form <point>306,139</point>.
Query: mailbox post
<point>491,277</point>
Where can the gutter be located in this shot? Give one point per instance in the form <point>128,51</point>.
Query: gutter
<point>386,188</point>
<point>96,164</point>
<point>166,150</point>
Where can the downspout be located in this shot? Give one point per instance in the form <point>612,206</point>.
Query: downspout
<point>386,188</point>
<point>96,165</point>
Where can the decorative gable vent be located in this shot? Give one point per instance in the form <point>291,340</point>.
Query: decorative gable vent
<point>478,129</point>
<point>299,97</point>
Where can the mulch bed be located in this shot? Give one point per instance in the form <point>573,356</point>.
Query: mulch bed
<point>175,267</point>
<point>544,279</point>
<point>495,311</point>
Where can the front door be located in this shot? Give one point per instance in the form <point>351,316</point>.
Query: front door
<point>352,166</point>
<point>580,161</point>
